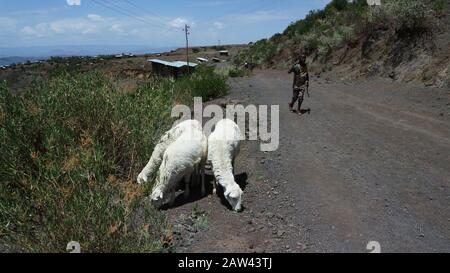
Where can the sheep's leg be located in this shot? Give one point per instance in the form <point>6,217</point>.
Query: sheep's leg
<point>202,174</point>
<point>232,165</point>
<point>196,172</point>
<point>143,176</point>
<point>187,180</point>
<point>214,186</point>
<point>172,198</point>
<point>154,162</point>
<point>203,184</point>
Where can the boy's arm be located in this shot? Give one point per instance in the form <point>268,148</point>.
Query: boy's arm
<point>291,70</point>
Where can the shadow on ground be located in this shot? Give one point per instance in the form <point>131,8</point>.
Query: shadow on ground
<point>196,195</point>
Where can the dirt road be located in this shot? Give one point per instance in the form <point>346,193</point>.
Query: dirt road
<point>370,163</point>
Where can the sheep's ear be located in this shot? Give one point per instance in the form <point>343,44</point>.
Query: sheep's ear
<point>161,195</point>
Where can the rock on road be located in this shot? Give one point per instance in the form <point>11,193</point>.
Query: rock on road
<point>371,162</point>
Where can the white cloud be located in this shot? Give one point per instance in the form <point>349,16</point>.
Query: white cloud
<point>95,27</point>
<point>92,24</point>
<point>40,30</point>
<point>74,2</point>
<point>218,25</point>
<point>82,26</point>
<point>180,22</point>
<point>117,28</point>
<point>95,17</point>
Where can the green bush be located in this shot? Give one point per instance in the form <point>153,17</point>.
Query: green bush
<point>235,72</point>
<point>205,83</point>
<point>259,53</point>
<point>337,5</point>
<point>306,25</point>
<point>410,17</point>
<point>70,150</point>
<point>440,6</point>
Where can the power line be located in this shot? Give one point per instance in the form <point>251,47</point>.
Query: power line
<point>140,8</point>
<point>124,12</point>
<point>120,11</point>
<point>117,7</point>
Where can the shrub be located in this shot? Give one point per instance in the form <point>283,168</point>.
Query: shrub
<point>260,52</point>
<point>440,6</point>
<point>306,25</point>
<point>205,83</point>
<point>235,72</point>
<point>311,42</point>
<point>405,16</point>
<point>337,4</point>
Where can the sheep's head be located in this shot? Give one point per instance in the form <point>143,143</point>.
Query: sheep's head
<point>234,197</point>
<point>157,195</point>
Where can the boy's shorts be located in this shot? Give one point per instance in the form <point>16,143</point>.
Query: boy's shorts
<point>299,93</point>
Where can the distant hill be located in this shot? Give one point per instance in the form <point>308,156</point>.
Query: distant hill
<point>406,40</point>
<point>22,54</point>
<point>15,60</point>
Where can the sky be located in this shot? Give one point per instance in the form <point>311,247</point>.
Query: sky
<point>153,23</point>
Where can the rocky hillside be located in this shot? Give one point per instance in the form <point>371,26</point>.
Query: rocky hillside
<point>406,40</point>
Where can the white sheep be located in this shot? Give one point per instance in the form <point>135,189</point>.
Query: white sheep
<point>157,156</point>
<point>223,147</point>
<point>181,159</point>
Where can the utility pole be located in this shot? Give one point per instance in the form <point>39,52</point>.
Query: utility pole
<point>186,30</point>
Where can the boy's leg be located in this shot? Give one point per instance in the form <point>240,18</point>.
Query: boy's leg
<point>301,98</point>
<point>294,99</point>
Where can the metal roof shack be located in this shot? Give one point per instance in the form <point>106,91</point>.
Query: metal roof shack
<point>174,69</point>
<point>181,64</point>
<point>224,53</point>
<point>202,60</point>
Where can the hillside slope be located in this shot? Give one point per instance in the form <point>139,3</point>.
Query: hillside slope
<point>406,40</point>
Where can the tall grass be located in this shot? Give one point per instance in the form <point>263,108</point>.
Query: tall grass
<point>232,71</point>
<point>70,149</point>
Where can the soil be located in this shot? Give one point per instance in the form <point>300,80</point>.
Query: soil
<point>370,162</point>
